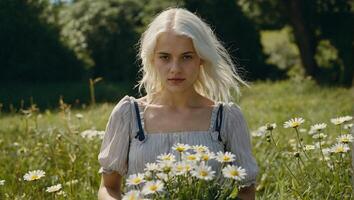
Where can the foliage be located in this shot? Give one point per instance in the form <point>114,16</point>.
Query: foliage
<point>30,47</point>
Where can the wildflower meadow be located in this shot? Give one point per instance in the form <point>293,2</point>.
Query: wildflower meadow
<point>301,136</point>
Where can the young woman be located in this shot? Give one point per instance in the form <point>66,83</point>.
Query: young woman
<point>188,77</point>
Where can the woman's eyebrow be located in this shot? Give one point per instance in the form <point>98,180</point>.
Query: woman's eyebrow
<point>188,52</point>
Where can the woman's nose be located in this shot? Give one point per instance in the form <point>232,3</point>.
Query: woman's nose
<point>175,66</point>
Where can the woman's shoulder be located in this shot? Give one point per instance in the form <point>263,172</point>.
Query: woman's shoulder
<point>232,110</point>
<point>123,106</point>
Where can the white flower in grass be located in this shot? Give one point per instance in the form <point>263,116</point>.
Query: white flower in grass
<point>339,148</point>
<point>337,121</point>
<point>318,144</point>
<point>319,136</point>
<point>91,134</point>
<point>261,131</point>
<point>151,167</point>
<point>206,156</point>
<point>345,138</point>
<point>347,118</point>
<point>166,157</point>
<point>294,123</point>
<point>135,179</point>
<point>270,126</point>
<point>34,175</point>
<point>181,147</point>
<point>203,172</point>
<point>133,195</point>
<point>224,157</point>
<point>179,168</point>
<point>79,116</point>
<point>309,147</point>
<point>2,182</point>
<point>152,187</point>
<point>162,176</point>
<point>54,188</point>
<point>165,166</point>
<point>348,126</point>
<point>200,148</point>
<point>191,157</point>
<point>234,172</point>
<point>318,127</point>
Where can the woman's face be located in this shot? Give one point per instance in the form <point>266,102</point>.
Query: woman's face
<point>176,61</point>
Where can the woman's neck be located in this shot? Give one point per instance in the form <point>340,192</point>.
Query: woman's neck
<point>178,100</point>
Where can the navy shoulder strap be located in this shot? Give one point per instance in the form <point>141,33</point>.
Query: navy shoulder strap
<point>219,121</point>
<point>140,134</point>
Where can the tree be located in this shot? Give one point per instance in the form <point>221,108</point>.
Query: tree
<point>30,47</point>
<point>311,21</point>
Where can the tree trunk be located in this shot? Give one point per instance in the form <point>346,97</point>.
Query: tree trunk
<point>304,36</point>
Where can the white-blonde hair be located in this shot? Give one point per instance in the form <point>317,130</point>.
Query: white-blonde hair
<point>217,77</point>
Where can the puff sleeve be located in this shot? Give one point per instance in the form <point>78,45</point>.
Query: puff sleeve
<point>237,141</point>
<point>114,150</point>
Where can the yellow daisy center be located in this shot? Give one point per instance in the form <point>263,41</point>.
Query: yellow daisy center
<point>153,188</point>
<point>203,173</point>
<point>234,173</point>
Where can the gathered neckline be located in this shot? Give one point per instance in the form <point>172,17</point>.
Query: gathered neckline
<point>210,129</point>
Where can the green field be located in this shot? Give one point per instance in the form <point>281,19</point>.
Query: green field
<point>50,140</point>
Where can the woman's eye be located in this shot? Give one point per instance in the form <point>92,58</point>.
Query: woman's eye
<point>163,57</point>
<point>186,57</point>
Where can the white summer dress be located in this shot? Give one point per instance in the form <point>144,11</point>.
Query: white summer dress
<point>123,152</point>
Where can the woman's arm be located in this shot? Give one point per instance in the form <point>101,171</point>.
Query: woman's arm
<point>110,187</point>
<point>247,193</point>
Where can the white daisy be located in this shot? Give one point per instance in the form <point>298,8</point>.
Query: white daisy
<point>179,168</point>
<point>203,172</point>
<point>339,148</point>
<point>345,138</point>
<point>261,131</point>
<point>166,157</point>
<point>347,118</point>
<point>34,175</point>
<point>2,182</point>
<point>152,187</point>
<point>54,188</point>
<point>309,147</point>
<point>318,127</point>
<point>337,121</point>
<point>181,147</point>
<point>133,195</point>
<point>348,126</point>
<point>225,157</point>
<point>206,156</point>
<point>151,167</point>
<point>162,176</point>
<point>91,134</point>
<point>191,157</point>
<point>319,136</point>
<point>79,116</point>
<point>294,123</point>
<point>200,148</point>
<point>135,179</point>
<point>234,172</point>
<point>165,166</point>
<point>271,126</point>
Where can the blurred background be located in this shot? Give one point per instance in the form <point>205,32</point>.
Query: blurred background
<point>52,49</point>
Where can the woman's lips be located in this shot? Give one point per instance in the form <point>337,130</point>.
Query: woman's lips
<point>176,80</point>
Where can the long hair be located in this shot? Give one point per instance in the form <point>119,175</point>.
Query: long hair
<point>218,76</point>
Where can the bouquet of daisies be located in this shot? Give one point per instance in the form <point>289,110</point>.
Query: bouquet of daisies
<point>189,177</point>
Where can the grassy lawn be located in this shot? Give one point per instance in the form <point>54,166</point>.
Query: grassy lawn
<point>50,140</point>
